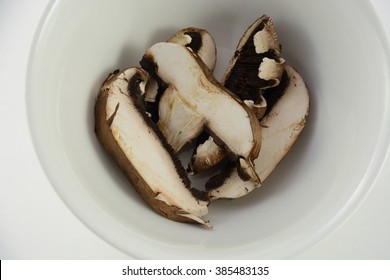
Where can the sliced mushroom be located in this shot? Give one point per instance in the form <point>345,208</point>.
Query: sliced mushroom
<point>141,151</point>
<point>226,117</point>
<point>255,74</point>
<point>256,63</point>
<point>206,154</point>
<point>172,112</point>
<point>201,44</point>
<point>281,128</point>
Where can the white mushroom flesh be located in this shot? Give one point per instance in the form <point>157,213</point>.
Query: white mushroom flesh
<point>177,121</point>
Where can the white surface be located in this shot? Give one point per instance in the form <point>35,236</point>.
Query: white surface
<point>35,223</point>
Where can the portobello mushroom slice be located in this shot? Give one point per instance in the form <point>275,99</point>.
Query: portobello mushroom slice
<point>256,64</point>
<point>256,75</point>
<point>201,44</point>
<point>175,67</point>
<point>281,128</point>
<point>140,150</point>
<point>170,106</point>
<point>206,154</point>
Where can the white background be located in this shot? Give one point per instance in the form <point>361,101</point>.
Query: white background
<point>36,224</point>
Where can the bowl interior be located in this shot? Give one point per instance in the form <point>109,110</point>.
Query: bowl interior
<point>337,46</point>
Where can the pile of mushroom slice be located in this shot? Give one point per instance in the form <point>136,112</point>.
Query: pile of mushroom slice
<point>244,124</point>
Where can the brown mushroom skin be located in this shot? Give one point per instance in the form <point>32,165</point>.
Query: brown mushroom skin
<point>105,136</point>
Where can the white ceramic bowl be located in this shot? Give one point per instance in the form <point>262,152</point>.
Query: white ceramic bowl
<point>337,46</point>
